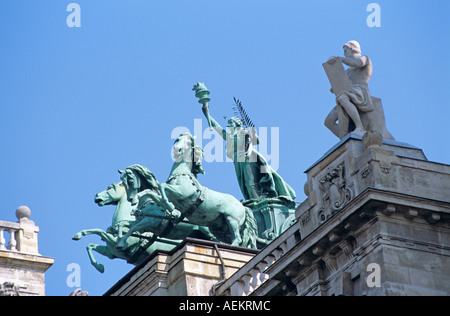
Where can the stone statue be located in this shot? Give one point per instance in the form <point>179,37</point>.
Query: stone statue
<point>182,195</point>
<point>356,110</point>
<point>138,247</point>
<point>255,177</point>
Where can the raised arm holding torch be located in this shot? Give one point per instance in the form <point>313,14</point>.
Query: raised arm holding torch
<point>202,93</point>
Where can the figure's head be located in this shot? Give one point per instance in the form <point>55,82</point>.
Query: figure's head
<point>235,122</point>
<point>352,47</point>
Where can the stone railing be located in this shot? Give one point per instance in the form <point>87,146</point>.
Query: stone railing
<point>22,268</point>
<point>258,270</point>
<point>8,235</point>
<point>20,236</point>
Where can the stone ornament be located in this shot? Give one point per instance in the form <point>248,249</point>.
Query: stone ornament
<point>8,289</point>
<point>334,188</point>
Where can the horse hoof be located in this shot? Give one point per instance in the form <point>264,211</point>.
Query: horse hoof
<point>100,267</point>
<point>77,236</point>
<point>237,243</point>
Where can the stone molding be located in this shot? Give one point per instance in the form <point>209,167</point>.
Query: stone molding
<point>193,268</point>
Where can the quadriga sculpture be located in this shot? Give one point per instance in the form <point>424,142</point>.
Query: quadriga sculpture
<point>183,197</point>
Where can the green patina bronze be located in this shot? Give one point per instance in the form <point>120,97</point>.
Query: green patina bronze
<point>144,192</point>
<point>255,176</point>
<point>154,216</point>
<point>264,190</point>
<point>183,198</point>
<point>138,247</point>
<point>273,216</point>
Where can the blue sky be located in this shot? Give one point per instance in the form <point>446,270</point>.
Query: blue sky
<point>79,103</point>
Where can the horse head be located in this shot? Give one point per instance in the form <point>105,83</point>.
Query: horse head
<point>185,150</point>
<point>137,178</point>
<point>112,195</point>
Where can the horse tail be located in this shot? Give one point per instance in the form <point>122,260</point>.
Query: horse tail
<point>250,231</point>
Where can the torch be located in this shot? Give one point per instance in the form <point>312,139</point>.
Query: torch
<point>202,93</point>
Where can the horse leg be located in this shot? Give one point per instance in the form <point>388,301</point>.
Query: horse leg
<point>82,233</point>
<point>164,200</point>
<point>234,226</point>
<point>205,231</point>
<point>147,192</point>
<point>101,250</point>
<point>109,238</point>
<point>140,226</point>
<point>175,191</point>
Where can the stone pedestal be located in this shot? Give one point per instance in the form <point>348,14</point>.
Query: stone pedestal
<point>23,274</point>
<point>193,268</point>
<point>273,216</point>
<point>353,166</point>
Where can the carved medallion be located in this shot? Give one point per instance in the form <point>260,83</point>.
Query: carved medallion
<point>335,191</point>
<point>8,289</point>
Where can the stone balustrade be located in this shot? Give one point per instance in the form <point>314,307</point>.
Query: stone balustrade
<point>20,236</point>
<point>22,268</point>
<point>257,271</point>
<point>8,235</point>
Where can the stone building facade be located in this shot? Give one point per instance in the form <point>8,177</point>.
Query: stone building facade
<point>376,222</point>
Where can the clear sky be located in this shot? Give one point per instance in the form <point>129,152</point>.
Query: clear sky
<point>79,103</point>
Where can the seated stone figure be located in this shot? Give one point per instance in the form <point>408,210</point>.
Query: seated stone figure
<point>356,110</point>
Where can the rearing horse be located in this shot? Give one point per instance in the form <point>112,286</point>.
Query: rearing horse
<point>143,192</point>
<point>136,251</point>
<point>225,216</point>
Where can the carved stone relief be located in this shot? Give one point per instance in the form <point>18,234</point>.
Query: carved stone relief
<point>336,192</point>
<point>8,289</point>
